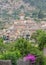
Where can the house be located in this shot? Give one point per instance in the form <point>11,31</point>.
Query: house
<point>23,28</point>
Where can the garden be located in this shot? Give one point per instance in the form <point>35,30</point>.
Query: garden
<point>24,49</point>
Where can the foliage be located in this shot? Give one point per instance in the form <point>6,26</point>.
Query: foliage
<point>40,14</point>
<point>2,46</point>
<point>22,7</point>
<point>44,60</point>
<point>41,4</point>
<point>40,38</point>
<point>13,56</point>
<point>18,49</point>
<point>22,44</point>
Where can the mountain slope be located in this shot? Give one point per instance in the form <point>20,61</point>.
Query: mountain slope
<point>10,9</point>
<point>38,3</point>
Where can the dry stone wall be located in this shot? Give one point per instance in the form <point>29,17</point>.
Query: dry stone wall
<point>5,62</point>
<point>22,62</point>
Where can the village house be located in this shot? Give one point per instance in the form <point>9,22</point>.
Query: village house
<point>23,28</point>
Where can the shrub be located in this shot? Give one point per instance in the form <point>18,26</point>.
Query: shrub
<point>44,60</point>
<point>20,48</point>
<point>21,45</point>
<point>13,56</point>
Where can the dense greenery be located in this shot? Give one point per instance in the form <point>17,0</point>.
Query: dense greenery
<point>21,47</point>
<point>40,38</point>
<point>40,15</point>
<point>17,49</point>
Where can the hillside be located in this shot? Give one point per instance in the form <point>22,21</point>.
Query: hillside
<point>38,3</point>
<point>10,9</point>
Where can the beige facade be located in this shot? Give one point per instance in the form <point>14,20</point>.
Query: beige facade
<point>23,27</point>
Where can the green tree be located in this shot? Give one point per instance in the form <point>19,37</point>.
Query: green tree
<point>40,38</point>
<point>40,14</point>
<point>2,46</point>
<point>21,44</point>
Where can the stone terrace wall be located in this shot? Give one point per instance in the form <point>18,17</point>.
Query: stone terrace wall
<point>22,62</point>
<point>5,62</point>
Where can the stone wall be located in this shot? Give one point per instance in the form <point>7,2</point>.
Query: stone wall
<point>5,62</point>
<point>27,62</point>
<point>22,62</point>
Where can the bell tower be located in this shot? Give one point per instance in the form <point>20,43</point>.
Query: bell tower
<point>22,15</point>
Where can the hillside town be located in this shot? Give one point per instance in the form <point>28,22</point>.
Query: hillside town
<point>22,28</point>
<point>22,32</point>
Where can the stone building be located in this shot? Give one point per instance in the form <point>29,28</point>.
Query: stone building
<point>23,28</point>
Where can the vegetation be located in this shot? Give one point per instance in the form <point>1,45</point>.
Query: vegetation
<point>40,15</point>
<point>40,38</point>
<point>16,50</point>
<point>22,47</point>
<point>41,4</point>
<point>11,12</point>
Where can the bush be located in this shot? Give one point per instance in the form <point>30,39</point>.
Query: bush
<point>21,45</point>
<point>13,56</point>
<point>20,48</point>
<point>44,60</point>
<point>41,60</point>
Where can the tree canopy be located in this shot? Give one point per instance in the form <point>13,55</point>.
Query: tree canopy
<point>40,37</point>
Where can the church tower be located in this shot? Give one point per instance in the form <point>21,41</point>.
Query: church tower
<point>22,15</point>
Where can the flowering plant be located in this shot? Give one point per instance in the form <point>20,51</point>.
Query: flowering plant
<point>30,57</point>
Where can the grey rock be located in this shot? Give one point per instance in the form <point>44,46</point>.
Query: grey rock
<point>5,62</point>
